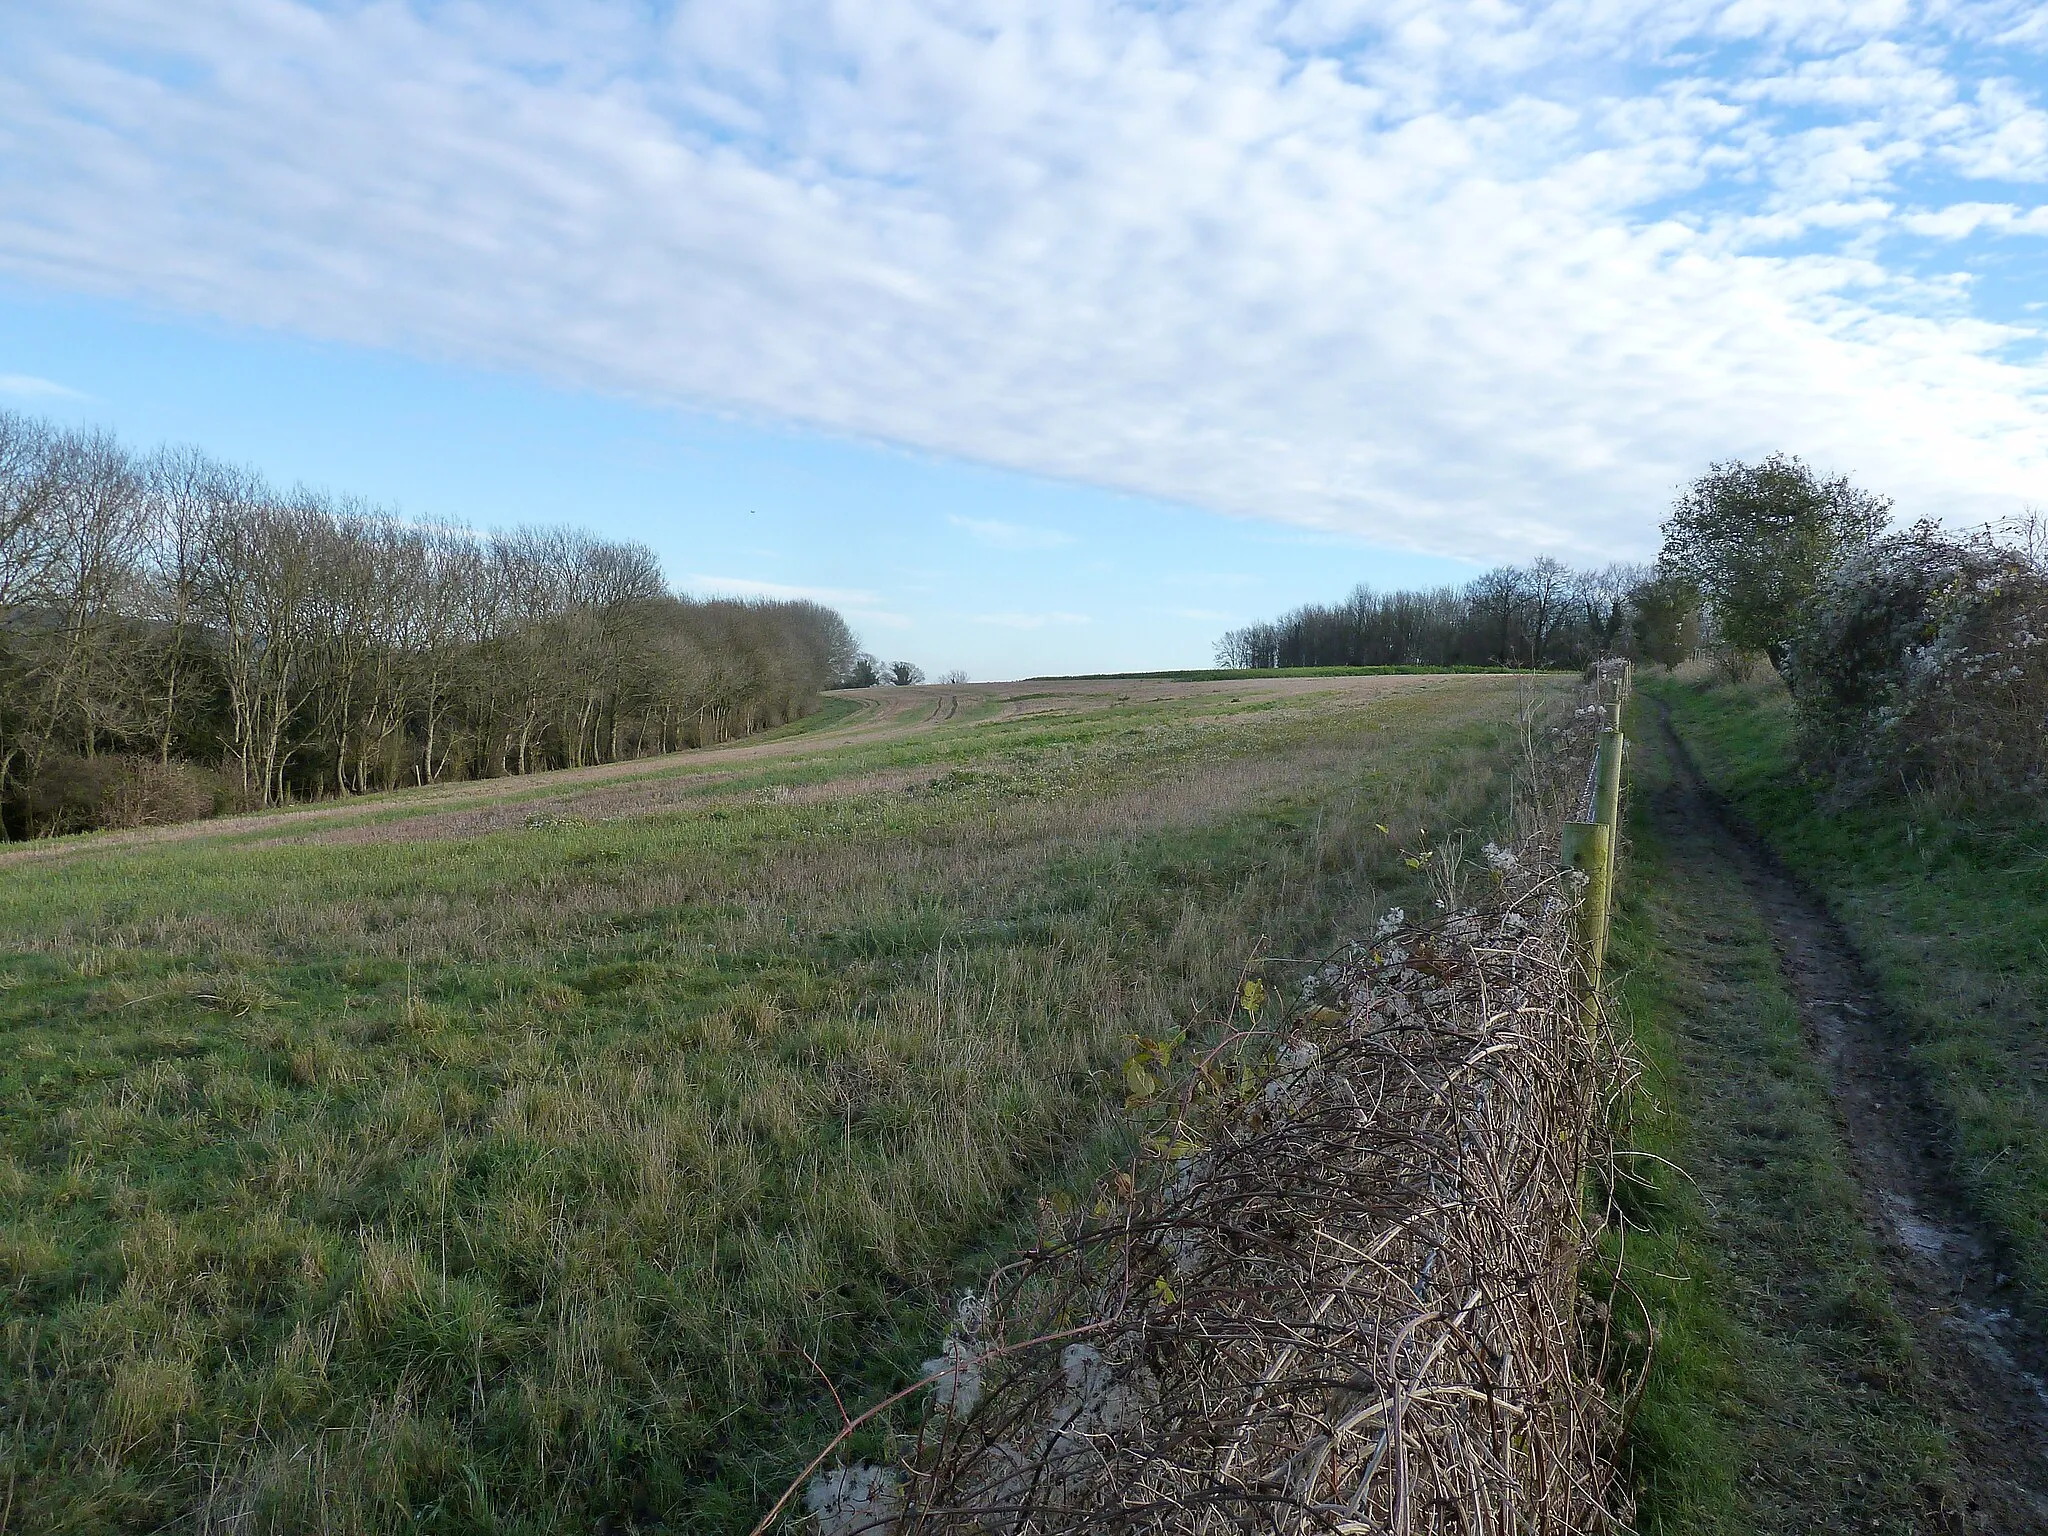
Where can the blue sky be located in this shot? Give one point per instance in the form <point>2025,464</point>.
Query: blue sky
<point>1041,338</point>
<point>947,563</point>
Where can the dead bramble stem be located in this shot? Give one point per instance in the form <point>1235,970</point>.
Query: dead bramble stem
<point>1340,1293</point>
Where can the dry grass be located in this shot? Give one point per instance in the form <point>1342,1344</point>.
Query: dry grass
<point>506,1183</point>
<point>1338,1294</point>
<point>1336,1288</point>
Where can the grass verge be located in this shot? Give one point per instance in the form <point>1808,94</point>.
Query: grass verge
<point>1782,1385</point>
<point>1950,912</point>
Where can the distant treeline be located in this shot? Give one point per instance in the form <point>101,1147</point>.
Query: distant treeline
<point>1544,614</point>
<point>177,636</point>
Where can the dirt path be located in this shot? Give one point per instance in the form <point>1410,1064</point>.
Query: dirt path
<point>1989,1372</point>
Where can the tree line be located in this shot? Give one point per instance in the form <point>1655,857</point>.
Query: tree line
<point>179,636</point>
<point>1916,658</point>
<point>1544,614</point>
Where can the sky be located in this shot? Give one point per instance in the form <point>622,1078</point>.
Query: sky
<point>1041,338</point>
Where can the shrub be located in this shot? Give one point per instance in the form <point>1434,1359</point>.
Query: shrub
<point>1922,662</point>
<point>1757,540</point>
<point>84,794</point>
<point>1666,618</point>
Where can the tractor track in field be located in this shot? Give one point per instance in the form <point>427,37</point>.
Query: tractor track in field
<point>1986,1366</point>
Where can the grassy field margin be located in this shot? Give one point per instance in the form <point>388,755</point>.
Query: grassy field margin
<point>1950,911</point>
<point>1782,1389</point>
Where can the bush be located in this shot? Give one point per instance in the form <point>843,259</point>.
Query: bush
<point>85,794</point>
<point>1757,540</point>
<point>1921,662</point>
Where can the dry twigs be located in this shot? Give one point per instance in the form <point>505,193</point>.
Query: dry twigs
<point>1338,1292</point>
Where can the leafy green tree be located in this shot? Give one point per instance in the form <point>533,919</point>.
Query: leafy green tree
<point>1755,540</point>
<point>1666,614</point>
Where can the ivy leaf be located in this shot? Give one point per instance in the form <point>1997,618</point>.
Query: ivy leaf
<point>1142,1084</point>
<point>1253,997</point>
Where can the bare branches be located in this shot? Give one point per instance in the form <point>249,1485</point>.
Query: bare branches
<point>1339,1289</point>
<point>1340,1296</point>
<point>176,608</point>
<point>1540,615</point>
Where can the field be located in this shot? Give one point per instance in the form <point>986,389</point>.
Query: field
<point>527,1155</point>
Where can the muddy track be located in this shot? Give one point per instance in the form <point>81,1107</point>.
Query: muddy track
<point>1987,1368</point>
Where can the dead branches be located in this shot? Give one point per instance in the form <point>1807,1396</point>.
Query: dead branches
<point>1341,1295</point>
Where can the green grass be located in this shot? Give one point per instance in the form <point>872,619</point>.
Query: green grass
<point>1781,1389</point>
<point>1949,909</point>
<point>506,1183</point>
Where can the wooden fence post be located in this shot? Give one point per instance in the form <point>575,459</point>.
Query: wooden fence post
<point>1607,787</point>
<point>1589,847</point>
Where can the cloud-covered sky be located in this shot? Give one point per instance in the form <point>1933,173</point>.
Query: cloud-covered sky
<point>1461,277</point>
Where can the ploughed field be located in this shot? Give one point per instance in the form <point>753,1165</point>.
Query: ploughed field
<point>525,1156</point>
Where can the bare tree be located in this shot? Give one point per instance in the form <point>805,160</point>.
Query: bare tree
<point>258,582</point>
<point>94,523</point>
<point>174,608</point>
<point>1498,599</point>
<point>1546,598</point>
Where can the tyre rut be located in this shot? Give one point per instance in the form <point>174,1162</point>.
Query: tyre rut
<point>1987,1367</point>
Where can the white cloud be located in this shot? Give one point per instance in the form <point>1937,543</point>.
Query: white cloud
<point>2009,139</point>
<point>1442,274</point>
<point>1012,536</point>
<point>27,386</point>
<point>1959,221</point>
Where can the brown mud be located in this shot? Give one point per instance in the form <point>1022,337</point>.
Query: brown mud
<point>1987,1367</point>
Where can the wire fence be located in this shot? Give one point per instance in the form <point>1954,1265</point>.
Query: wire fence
<point>1338,1290</point>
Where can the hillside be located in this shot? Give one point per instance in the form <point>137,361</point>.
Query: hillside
<point>518,1155</point>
